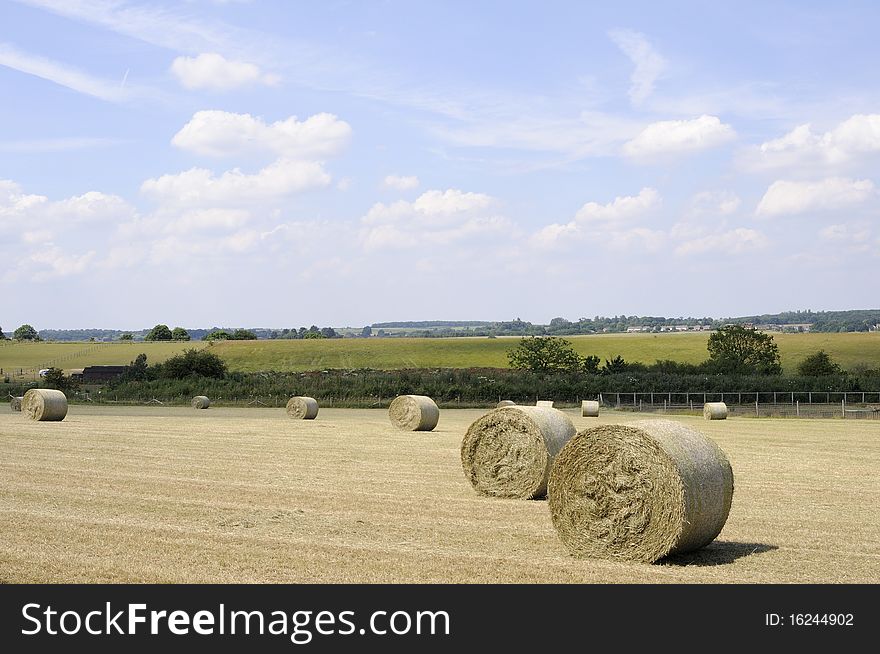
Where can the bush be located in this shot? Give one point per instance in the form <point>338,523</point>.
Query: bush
<point>192,363</point>
<point>818,364</point>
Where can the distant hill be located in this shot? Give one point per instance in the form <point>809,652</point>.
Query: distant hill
<point>855,320</point>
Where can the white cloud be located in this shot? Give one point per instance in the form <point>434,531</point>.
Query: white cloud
<point>621,208</point>
<point>52,262</point>
<point>18,208</point>
<point>434,218</point>
<point>401,182</point>
<point>609,223</point>
<point>849,140</point>
<point>853,237</point>
<point>213,71</point>
<point>735,241</point>
<point>679,136</point>
<point>788,197</point>
<point>225,134</point>
<point>649,65</point>
<point>714,203</point>
<point>63,75</point>
<point>200,187</point>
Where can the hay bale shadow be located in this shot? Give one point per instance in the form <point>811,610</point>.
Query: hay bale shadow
<point>719,552</point>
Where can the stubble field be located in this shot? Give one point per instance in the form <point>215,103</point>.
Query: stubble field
<point>144,494</point>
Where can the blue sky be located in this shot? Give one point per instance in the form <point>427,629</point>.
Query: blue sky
<point>277,164</point>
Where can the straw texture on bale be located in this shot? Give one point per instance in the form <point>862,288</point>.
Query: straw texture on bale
<point>44,405</point>
<point>545,403</point>
<point>639,492</point>
<point>302,408</point>
<point>504,403</point>
<point>15,403</point>
<point>509,451</point>
<point>589,409</point>
<point>200,402</point>
<point>414,413</point>
<point>715,411</point>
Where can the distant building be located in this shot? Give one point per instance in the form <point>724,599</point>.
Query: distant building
<point>100,374</point>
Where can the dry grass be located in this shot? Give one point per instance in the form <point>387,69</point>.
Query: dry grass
<point>248,495</point>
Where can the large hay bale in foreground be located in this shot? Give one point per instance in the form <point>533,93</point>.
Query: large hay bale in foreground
<point>414,413</point>
<point>589,409</point>
<point>715,411</point>
<point>545,403</point>
<point>200,402</point>
<point>504,403</point>
<point>508,452</point>
<point>302,408</point>
<point>44,405</point>
<point>15,403</point>
<point>639,492</point>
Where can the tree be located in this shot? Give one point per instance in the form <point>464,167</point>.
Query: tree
<point>2,335</point>
<point>217,335</point>
<point>193,363</point>
<point>127,336</point>
<point>616,365</point>
<point>54,378</point>
<point>818,364</point>
<point>158,333</point>
<point>328,332</point>
<point>740,350</point>
<point>544,354</point>
<point>137,369</point>
<point>26,333</point>
<point>591,364</point>
<point>313,335</point>
<point>243,335</point>
<point>367,331</point>
<point>179,334</point>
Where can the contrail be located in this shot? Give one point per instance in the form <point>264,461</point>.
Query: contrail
<point>124,78</point>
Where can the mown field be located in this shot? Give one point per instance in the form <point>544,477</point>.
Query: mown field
<point>143,494</point>
<point>390,353</point>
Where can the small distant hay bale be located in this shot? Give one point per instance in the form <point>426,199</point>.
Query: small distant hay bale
<point>200,402</point>
<point>15,403</point>
<point>302,408</point>
<point>44,405</point>
<point>639,492</point>
<point>414,413</point>
<point>715,411</point>
<point>509,451</point>
<point>589,409</point>
<point>504,403</point>
<point>545,403</point>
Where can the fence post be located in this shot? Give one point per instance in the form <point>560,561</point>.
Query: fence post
<point>843,408</point>
<point>798,409</point>
<point>756,405</point>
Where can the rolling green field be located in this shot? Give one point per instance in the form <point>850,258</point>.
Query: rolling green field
<point>297,355</point>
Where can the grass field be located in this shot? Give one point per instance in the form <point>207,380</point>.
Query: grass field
<point>117,494</point>
<point>389,353</point>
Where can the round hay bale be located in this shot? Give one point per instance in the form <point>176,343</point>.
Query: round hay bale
<point>302,408</point>
<point>44,405</point>
<point>15,403</point>
<point>504,403</point>
<point>589,409</point>
<point>639,492</point>
<point>508,452</point>
<point>414,413</point>
<point>545,403</point>
<point>715,411</point>
<point>200,402</point>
